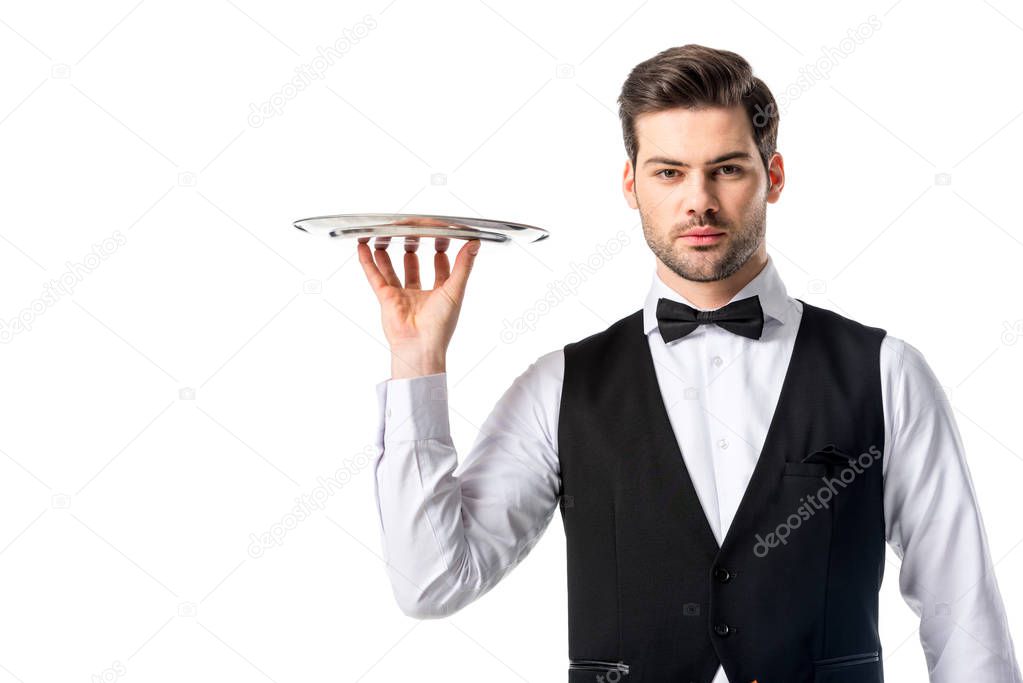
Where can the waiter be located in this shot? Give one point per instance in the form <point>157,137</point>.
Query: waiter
<point>728,461</point>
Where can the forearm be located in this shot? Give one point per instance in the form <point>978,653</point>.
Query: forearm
<point>431,568</point>
<point>449,538</point>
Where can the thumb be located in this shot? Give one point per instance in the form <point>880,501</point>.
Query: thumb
<point>463,266</point>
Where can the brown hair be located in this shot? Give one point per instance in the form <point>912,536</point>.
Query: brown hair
<point>695,76</point>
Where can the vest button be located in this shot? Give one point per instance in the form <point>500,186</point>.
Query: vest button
<point>722,574</point>
<point>723,629</point>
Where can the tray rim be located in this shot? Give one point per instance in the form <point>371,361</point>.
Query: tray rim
<point>493,226</point>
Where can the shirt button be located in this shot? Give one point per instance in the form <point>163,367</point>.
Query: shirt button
<point>722,574</point>
<point>388,412</point>
<point>716,360</point>
<point>723,630</point>
<point>722,443</point>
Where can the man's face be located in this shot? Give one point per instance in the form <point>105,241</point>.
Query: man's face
<point>699,171</point>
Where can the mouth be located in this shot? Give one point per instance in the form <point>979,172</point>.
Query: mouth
<point>698,236</point>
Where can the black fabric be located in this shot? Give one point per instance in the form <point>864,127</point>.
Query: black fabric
<point>651,594</point>
<point>743,317</point>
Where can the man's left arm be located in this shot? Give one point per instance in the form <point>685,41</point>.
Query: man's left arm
<point>933,523</point>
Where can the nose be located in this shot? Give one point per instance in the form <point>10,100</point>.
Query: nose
<point>698,201</point>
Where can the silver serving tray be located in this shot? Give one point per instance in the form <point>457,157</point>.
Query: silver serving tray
<point>418,225</point>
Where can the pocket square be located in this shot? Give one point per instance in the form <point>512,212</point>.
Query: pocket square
<point>829,454</point>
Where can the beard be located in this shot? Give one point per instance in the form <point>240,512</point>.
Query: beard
<point>713,261</point>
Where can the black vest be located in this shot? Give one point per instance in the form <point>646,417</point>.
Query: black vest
<point>791,595</point>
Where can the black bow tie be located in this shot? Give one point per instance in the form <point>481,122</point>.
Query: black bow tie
<point>744,317</point>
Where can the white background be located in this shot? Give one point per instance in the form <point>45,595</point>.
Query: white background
<point>128,503</point>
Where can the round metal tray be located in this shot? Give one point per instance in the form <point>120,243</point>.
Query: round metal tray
<point>416,225</point>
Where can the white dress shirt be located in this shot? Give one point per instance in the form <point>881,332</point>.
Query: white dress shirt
<point>450,532</point>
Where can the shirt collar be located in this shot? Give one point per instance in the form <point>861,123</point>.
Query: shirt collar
<point>767,284</point>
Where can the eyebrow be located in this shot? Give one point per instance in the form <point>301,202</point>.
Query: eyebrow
<point>717,160</point>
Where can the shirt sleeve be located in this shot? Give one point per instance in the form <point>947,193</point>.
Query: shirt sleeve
<point>450,532</point>
<point>933,523</point>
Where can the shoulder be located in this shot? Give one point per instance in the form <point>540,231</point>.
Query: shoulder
<point>537,389</point>
<point>903,363</point>
<point>911,392</point>
<point>548,369</point>
<point>596,342</point>
<point>841,322</point>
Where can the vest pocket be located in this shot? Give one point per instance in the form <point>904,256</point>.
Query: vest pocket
<point>864,667</point>
<point>805,469</point>
<point>588,671</point>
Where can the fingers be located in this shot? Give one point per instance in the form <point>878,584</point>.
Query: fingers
<point>376,280</point>
<point>441,267</point>
<point>463,266</point>
<point>412,263</point>
<point>376,264</point>
<point>383,262</point>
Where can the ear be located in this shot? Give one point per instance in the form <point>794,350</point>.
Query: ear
<point>775,178</point>
<point>629,184</point>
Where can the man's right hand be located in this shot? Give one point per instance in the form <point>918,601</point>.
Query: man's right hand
<point>418,323</point>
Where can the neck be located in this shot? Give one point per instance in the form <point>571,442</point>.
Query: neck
<point>715,294</point>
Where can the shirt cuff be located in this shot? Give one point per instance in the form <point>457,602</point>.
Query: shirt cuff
<point>414,408</point>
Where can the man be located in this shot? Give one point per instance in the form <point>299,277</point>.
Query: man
<point>728,461</point>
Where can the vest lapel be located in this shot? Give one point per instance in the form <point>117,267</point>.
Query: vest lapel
<point>771,455</point>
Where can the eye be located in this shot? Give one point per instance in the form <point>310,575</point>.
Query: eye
<point>737,169</point>
<point>667,170</point>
